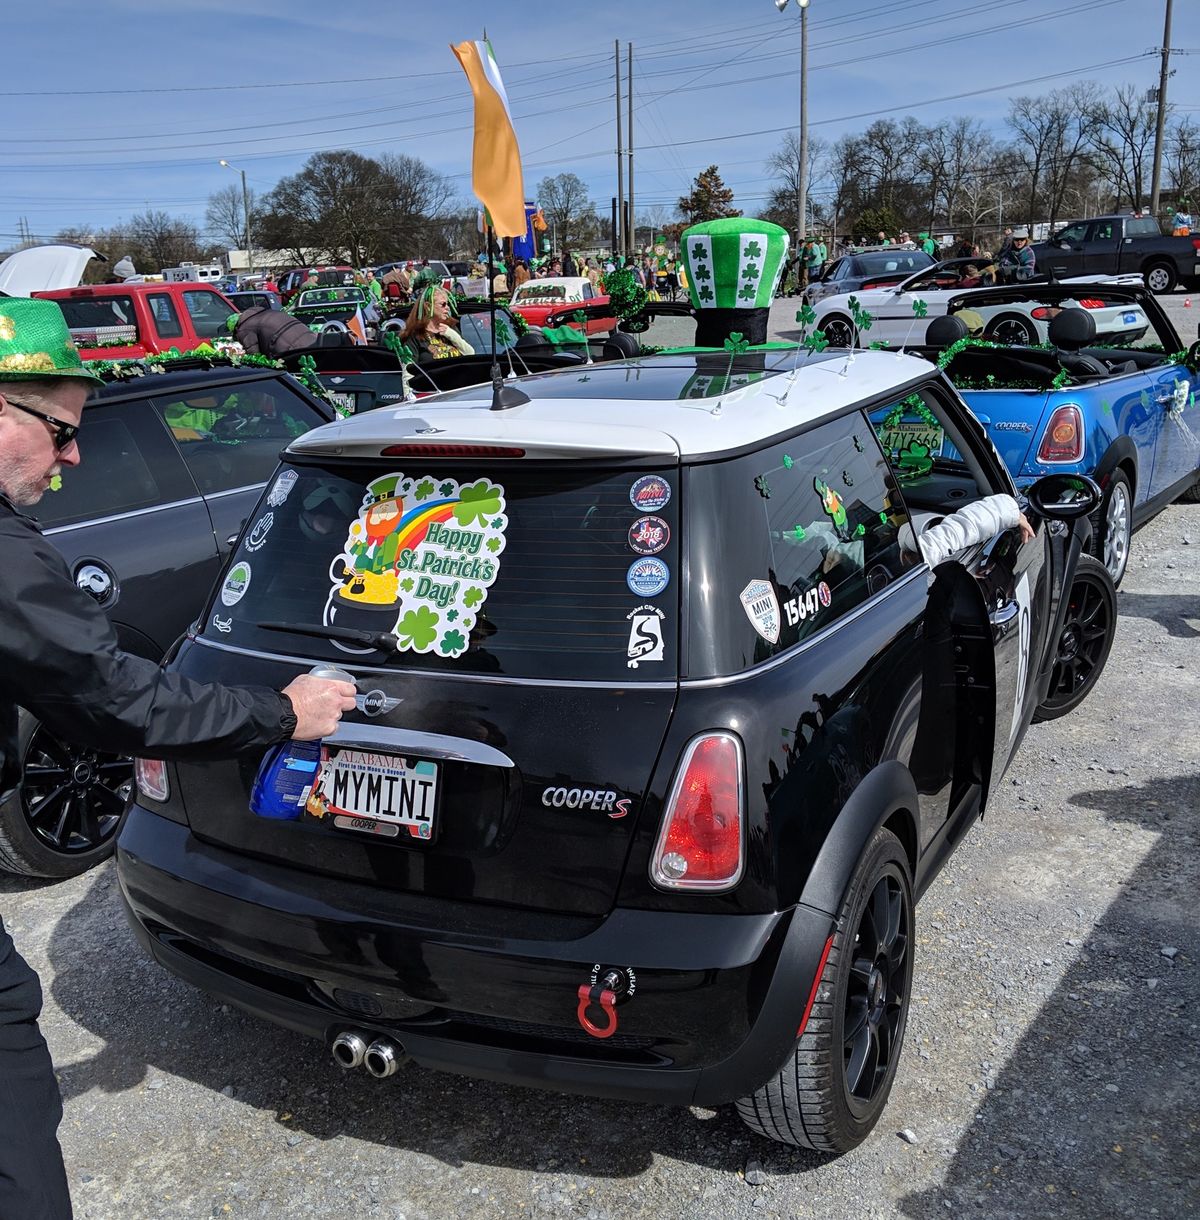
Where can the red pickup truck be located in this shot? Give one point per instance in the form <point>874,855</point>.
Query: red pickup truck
<point>125,321</point>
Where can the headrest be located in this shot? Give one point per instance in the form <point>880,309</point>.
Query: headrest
<point>946,330</point>
<point>1072,329</point>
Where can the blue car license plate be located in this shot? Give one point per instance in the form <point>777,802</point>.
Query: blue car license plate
<point>1129,318</point>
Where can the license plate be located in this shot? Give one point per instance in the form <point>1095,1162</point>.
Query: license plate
<point>373,793</point>
<point>1129,318</point>
<point>344,402</point>
<point>903,437</point>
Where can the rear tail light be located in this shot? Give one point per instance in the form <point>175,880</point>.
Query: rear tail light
<point>1063,439</point>
<point>1043,313</point>
<point>702,843</point>
<point>1196,243</point>
<point>876,284</point>
<point>151,777</point>
<point>448,451</point>
<point>1092,303</point>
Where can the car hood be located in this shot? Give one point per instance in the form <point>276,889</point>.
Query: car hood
<point>44,269</point>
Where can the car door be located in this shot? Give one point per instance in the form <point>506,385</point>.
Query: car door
<point>1175,414</point>
<point>132,526</point>
<point>230,436</point>
<point>1065,251</point>
<point>208,311</point>
<point>948,465</point>
<point>1100,247</point>
<point>901,315</point>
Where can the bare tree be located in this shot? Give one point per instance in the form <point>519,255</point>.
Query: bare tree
<point>567,208</point>
<point>1122,143</point>
<point>225,216</point>
<point>1182,160</point>
<point>783,204</point>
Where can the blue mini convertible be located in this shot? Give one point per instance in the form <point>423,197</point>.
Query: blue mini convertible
<point>1122,410</point>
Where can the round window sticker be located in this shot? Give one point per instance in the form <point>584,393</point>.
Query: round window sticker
<point>650,493</point>
<point>823,593</point>
<point>649,535</point>
<point>647,577</point>
<point>236,584</point>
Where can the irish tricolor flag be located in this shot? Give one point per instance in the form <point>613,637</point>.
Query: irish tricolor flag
<point>496,168</point>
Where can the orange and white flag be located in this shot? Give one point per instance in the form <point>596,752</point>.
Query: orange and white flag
<point>496,163</point>
<point>357,326</point>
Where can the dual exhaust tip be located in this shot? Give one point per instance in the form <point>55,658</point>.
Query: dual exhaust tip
<point>382,1058</point>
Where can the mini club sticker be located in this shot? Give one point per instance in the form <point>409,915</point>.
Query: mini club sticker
<point>650,493</point>
<point>647,577</point>
<point>806,605</point>
<point>258,535</point>
<point>419,559</point>
<point>645,635</point>
<point>236,584</point>
<point>649,535</point>
<point>762,609</point>
<point>282,489</point>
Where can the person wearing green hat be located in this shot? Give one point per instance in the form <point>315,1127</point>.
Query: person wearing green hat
<point>59,660</point>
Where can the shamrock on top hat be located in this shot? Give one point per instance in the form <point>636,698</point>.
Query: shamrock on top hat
<point>734,263</point>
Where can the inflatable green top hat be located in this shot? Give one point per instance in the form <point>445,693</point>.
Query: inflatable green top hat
<point>733,268</point>
<point>35,342</point>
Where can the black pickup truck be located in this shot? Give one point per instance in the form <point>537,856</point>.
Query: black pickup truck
<point>1113,245</point>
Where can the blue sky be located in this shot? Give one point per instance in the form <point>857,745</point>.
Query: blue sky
<point>123,104</point>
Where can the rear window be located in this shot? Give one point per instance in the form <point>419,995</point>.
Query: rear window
<point>541,292</point>
<point>897,262</point>
<point>1146,226</point>
<point>540,572</point>
<point>107,321</point>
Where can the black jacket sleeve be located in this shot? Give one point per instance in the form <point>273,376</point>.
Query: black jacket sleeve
<point>59,659</point>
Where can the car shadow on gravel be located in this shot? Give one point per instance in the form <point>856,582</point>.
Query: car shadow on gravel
<point>1170,611</point>
<point>1095,1113</point>
<point>156,1028</point>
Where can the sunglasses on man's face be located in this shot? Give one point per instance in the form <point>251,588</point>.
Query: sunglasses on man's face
<point>64,433</point>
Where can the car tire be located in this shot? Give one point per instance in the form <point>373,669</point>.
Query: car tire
<point>812,1102</point>
<point>1113,526</point>
<point>840,331</point>
<point>1084,640</point>
<point>1192,495</point>
<point>1011,329</point>
<point>1160,277</point>
<point>64,816</point>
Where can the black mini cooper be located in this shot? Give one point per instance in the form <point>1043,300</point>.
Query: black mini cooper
<point>663,726</point>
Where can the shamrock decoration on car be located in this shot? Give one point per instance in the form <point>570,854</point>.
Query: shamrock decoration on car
<point>477,503</point>
<point>920,308</point>
<point>816,342</point>
<point>417,628</point>
<point>752,250</point>
<point>831,502</point>
<point>737,343</point>
<point>806,315</point>
<point>914,461</point>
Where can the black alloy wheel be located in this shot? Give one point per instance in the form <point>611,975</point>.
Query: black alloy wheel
<point>64,817</point>
<point>839,331</point>
<point>1012,330</point>
<point>1084,641</point>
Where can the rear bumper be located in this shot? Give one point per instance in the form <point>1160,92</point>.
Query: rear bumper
<point>714,1013</point>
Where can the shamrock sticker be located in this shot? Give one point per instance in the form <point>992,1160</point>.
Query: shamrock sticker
<point>453,642</point>
<point>472,598</point>
<point>788,462</point>
<point>408,584</point>
<point>417,628</point>
<point>920,308</point>
<point>446,489</point>
<point>915,461</point>
<point>424,489</point>
<point>451,614</point>
<point>859,530</point>
<point>761,486</point>
<point>493,545</point>
<point>736,343</point>
<point>477,502</point>
<point>797,533</point>
<point>752,250</point>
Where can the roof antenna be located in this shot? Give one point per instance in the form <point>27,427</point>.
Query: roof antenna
<point>504,397</point>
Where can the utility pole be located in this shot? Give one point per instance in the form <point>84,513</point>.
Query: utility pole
<point>620,156</point>
<point>631,234</point>
<point>803,118</point>
<point>1162,113</point>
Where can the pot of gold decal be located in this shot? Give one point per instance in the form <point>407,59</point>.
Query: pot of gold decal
<point>8,328</point>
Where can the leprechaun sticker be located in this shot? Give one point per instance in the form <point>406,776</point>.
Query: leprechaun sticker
<point>419,559</point>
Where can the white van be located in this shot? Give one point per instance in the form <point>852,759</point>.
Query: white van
<point>192,273</point>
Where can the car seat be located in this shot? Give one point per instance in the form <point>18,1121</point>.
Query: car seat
<point>1070,330</point>
<point>945,331</point>
<point>620,346</point>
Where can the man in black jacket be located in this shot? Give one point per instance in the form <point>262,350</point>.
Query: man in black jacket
<point>272,332</point>
<point>59,659</point>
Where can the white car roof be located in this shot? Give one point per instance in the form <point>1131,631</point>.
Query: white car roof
<point>572,283</point>
<point>669,406</point>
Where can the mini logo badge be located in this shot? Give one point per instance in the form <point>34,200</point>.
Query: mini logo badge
<point>375,703</point>
<point>762,609</point>
<point>236,584</point>
<point>647,577</point>
<point>650,493</point>
<point>649,535</point>
<point>645,635</point>
<point>258,535</point>
<point>282,489</point>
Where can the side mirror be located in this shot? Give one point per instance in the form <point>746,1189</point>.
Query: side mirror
<point>1064,497</point>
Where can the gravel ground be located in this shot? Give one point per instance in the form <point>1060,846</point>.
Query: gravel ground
<point>1050,1068</point>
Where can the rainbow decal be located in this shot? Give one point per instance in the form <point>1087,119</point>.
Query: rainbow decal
<point>418,561</point>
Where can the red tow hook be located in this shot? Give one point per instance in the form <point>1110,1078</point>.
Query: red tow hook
<point>597,993</point>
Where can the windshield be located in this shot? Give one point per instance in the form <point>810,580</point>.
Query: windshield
<point>476,328</point>
<point>904,262</point>
<point>536,291</point>
<point>330,296</point>
<point>537,572</point>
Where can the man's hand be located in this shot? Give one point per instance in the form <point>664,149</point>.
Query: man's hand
<point>318,704</point>
<point>1026,529</point>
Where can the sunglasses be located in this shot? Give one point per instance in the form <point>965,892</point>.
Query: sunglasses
<point>64,433</point>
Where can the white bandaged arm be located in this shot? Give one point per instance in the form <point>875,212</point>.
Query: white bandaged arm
<point>971,524</point>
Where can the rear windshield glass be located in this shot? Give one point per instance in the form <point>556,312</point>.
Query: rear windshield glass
<point>100,321</point>
<point>906,262</point>
<point>537,572</point>
<point>543,292</point>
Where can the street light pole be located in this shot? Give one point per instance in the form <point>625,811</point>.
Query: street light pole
<point>246,216</point>
<point>802,183</point>
<point>1160,121</point>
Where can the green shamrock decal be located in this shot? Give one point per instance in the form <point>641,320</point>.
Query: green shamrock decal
<point>417,628</point>
<point>477,502</point>
<point>705,293</point>
<point>472,598</point>
<point>407,584</point>
<point>736,343</point>
<point>920,309</point>
<point>859,530</point>
<point>816,342</point>
<point>788,462</point>
<point>703,273</point>
<point>915,461</point>
<point>446,489</point>
<point>451,614</point>
<point>498,524</point>
<point>493,545</point>
<point>56,482</point>
<point>453,642</point>
<point>761,486</point>
<point>796,532</point>
<point>752,250</point>
<point>466,623</point>
<point>883,518</point>
<point>806,315</point>
<point>699,252</point>
<point>751,271</point>
<point>503,331</point>
<point>748,293</point>
<point>424,489</point>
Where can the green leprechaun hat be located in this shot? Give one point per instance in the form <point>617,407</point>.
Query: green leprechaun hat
<point>733,268</point>
<point>35,342</point>
<point>383,489</point>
